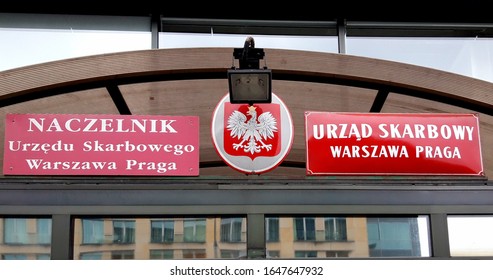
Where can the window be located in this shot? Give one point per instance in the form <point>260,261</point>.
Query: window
<point>470,235</point>
<point>232,254</point>
<point>122,255</point>
<point>61,44</point>
<point>27,231</point>
<point>26,238</point>
<point>194,230</point>
<point>124,232</point>
<point>304,228</point>
<point>273,254</point>
<point>231,229</point>
<point>272,229</point>
<point>44,231</point>
<point>92,231</point>
<point>162,237</point>
<point>393,237</point>
<point>14,257</point>
<point>43,257</point>
<point>305,254</point>
<point>162,231</point>
<point>337,254</point>
<point>335,229</point>
<point>91,256</point>
<point>194,254</point>
<point>349,236</point>
<point>15,231</point>
<point>161,254</point>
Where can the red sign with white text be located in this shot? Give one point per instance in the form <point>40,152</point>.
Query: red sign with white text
<point>392,144</point>
<point>73,144</point>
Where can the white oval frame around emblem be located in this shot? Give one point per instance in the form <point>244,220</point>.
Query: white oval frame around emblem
<point>245,164</point>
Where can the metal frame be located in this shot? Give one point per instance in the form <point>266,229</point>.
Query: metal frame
<point>65,199</point>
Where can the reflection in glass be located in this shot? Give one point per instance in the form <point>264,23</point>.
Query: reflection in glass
<point>60,44</point>
<point>304,228</point>
<point>124,232</point>
<point>160,238</point>
<point>272,229</point>
<point>162,231</point>
<point>170,40</point>
<point>15,231</point>
<point>393,237</point>
<point>335,229</point>
<point>91,256</point>
<point>343,237</point>
<point>122,255</point>
<point>305,254</point>
<point>93,231</point>
<point>470,235</point>
<point>231,229</point>
<point>161,254</point>
<point>25,238</point>
<point>194,230</point>
<point>463,56</point>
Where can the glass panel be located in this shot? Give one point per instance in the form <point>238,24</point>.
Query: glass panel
<point>168,40</point>
<point>194,230</point>
<point>160,238</point>
<point>25,238</point>
<point>470,235</point>
<point>304,229</point>
<point>232,254</point>
<point>14,257</point>
<point>161,254</point>
<point>343,237</point>
<point>466,56</point>
<point>92,231</point>
<point>124,232</point>
<point>162,231</point>
<point>194,254</point>
<point>15,231</point>
<point>231,229</point>
<point>393,237</point>
<point>91,256</point>
<point>50,45</point>
<point>335,229</point>
<point>122,255</point>
<point>305,254</point>
<point>272,229</point>
<point>43,257</point>
<point>273,254</point>
<point>44,231</point>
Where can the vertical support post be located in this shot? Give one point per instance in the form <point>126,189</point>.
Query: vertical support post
<point>155,29</point>
<point>61,237</point>
<point>439,236</point>
<point>256,236</point>
<point>341,35</point>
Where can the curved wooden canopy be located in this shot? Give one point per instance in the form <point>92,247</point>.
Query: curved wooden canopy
<point>192,81</point>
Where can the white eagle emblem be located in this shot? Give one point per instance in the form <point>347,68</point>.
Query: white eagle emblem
<point>252,132</point>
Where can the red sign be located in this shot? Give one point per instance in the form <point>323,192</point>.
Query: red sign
<point>69,144</point>
<point>392,144</point>
<point>252,139</point>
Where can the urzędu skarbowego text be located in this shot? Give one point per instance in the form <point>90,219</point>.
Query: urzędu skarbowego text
<point>67,144</point>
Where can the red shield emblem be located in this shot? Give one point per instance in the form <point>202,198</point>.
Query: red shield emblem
<point>252,131</point>
<point>252,139</point>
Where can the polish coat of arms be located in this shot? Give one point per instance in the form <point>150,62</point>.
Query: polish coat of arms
<point>252,133</point>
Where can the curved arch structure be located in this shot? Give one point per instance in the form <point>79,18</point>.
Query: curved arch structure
<point>116,70</point>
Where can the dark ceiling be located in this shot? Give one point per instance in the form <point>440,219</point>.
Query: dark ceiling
<point>472,11</point>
